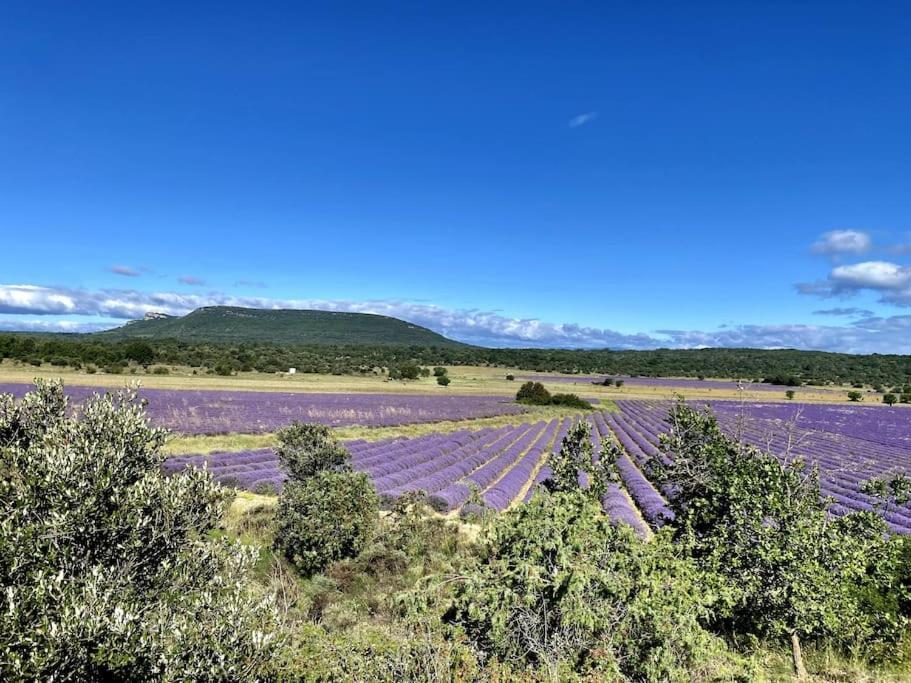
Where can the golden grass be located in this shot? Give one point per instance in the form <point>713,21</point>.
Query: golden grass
<point>469,380</point>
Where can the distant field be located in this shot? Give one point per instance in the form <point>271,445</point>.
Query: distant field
<point>849,443</point>
<point>465,380</point>
<point>222,412</point>
<point>681,383</point>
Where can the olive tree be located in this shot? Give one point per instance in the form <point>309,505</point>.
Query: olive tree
<point>106,565</point>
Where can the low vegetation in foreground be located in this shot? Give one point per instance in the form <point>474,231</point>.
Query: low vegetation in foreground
<point>113,571</point>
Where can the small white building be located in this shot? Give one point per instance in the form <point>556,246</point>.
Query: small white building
<point>291,371</point>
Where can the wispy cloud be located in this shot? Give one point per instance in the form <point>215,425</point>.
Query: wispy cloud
<point>257,284</point>
<point>126,271</point>
<point>582,119</point>
<point>839,242</point>
<point>847,312</point>
<point>491,328</point>
<point>191,280</point>
<point>868,335</point>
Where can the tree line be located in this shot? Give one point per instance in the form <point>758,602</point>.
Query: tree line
<point>783,366</point>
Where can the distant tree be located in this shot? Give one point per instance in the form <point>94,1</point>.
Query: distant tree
<point>607,382</point>
<point>619,383</point>
<point>890,399</point>
<point>443,380</point>
<point>139,351</point>
<point>533,392</point>
<point>855,396</point>
<point>425,372</point>
<point>789,394</point>
<point>439,371</point>
<point>406,371</point>
<point>510,377</point>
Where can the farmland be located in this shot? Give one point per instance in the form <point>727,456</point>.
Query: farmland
<point>477,460</point>
<point>850,444</point>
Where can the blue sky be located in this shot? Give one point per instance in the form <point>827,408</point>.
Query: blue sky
<point>570,174</point>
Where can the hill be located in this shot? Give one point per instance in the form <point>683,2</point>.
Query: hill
<point>227,324</point>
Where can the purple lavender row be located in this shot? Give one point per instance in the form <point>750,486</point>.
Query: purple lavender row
<point>545,472</point>
<point>419,473</point>
<point>439,479</point>
<point>653,505</point>
<point>456,494</point>
<point>501,495</point>
<point>617,506</point>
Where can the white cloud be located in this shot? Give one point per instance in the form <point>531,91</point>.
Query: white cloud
<point>18,325</point>
<point>890,280</point>
<point>871,275</point>
<point>191,280</point>
<point>124,270</point>
<point>838,242</point>
<point>582,119</point>
<point>489,328</point>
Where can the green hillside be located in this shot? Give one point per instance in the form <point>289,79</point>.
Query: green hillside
<point>231,324</point>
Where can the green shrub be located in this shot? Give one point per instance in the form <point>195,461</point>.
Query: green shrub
<point>307,449</point>
<point>439,371</point>
<point>161,370</point>
<point>789,394</point>
<point>443,380</point>
<point>890,399</point>
<point>326,517</point>
<point>787,569</point>
<point>561,589</point>
<point>855,396</point>
<point>575,456</point>
<point>534,393</point>
<point>106,566</point>
<point>90,369</point>
<point>510,377</point>
<point>570,401</point>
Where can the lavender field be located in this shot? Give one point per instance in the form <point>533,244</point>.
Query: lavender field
<point>851,444</point>
<point>250,412</point>
<point>668,382</point>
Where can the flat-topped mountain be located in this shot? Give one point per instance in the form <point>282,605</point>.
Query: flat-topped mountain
<point>281,326</point>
